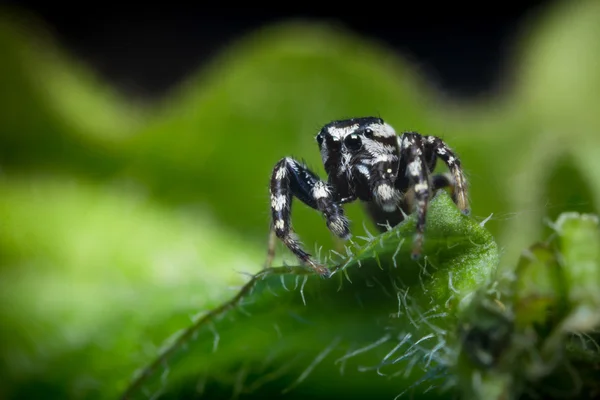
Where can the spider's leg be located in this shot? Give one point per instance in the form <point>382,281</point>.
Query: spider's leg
<point>271,248</point>
<point>443,181</point>
<point>418,173</point>
<point>437,148</point>
<point>437,182</point>
<point>383,219</point>
<point>291,178</point>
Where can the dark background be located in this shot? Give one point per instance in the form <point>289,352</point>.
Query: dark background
<point>148,48</point>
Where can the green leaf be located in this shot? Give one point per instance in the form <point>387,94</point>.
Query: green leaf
<point>579,236</point>
<point>93,279</point>
<point>381,322</point>
<point>558,74</point>
<point>554,96</point>
<point>537,331</point>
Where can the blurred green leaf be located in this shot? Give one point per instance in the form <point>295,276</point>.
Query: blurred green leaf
<point>536,332</point>
<point>55,113</point>
<point>555,78</point>
<point>580,253</point>
<point>94,278</point>
<point>559,82</point>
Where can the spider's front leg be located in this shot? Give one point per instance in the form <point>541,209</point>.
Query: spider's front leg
<point>291,178</point>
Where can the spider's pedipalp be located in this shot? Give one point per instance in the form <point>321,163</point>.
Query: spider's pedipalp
<point>386,196</point>
<point>379,162</point>
<point>334,215</point>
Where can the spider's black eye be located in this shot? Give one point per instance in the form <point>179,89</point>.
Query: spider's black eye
<point>320,139</point>
<point>353,142</point>
<point>368,133</point>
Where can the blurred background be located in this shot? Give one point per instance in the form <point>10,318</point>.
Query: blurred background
<point>145,51</point>
<point>136,145</point>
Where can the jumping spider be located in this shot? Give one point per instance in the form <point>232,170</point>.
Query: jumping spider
<point>365,160</point>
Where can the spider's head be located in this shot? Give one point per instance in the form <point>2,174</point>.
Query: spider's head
<point>344,140</point>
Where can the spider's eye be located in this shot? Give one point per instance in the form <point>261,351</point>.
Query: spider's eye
<point>320,139</point>
<point>353,142</point>
<point>368,133</point>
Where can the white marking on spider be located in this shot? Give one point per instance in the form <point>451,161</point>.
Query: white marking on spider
<point>385,192</point>
<point>451,160</point>
<point>338,226</point>
<point>414,168</point>
<point>441,151</point>
<point>344,167</point>
<point>384,130</point>
<point>320,191</point>
<point>431,139</point>
<point>382,158</point>
<point>280,224</point>
<point>376,148</point>
<point>407,142</point>
<point>340,133</point>
<point>364,170</point>
<point>292,163</point>
<point>421,187</point>
<point>281,173</point>
<point>278,202</point>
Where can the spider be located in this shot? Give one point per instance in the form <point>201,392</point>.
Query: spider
<point>364,159</point>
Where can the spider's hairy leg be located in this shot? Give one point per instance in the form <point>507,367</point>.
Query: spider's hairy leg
<point>438,181</point>
<point>383,219</point>
<point>291,178</point>
<point>418,173</point>
<point>437,148</point>
<point>443,181</point>
<point>270,248</point>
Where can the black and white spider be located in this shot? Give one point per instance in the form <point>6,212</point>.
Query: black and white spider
<point>365,160</point>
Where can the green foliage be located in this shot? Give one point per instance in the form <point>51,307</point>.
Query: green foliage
<point>83,304</point>
<point>378,318</point>
<point>544,318</point>
<point>120,221</point>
